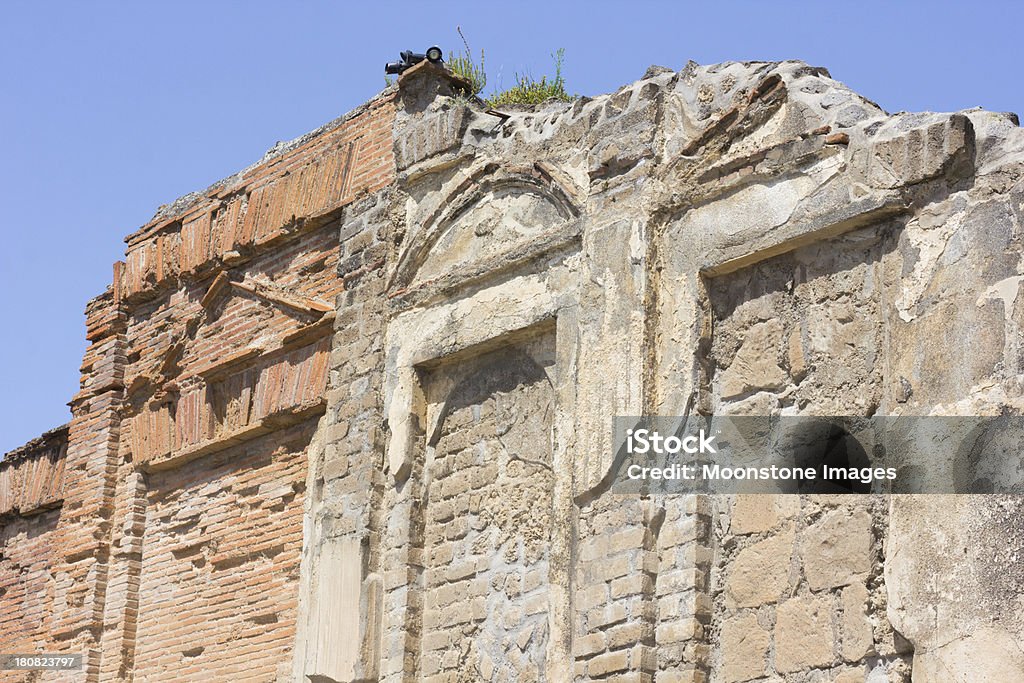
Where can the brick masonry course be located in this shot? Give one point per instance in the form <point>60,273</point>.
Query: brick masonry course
<point>345,416</point>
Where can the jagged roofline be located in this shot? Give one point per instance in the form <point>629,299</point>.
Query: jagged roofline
<point>182,204</point>
<point>829,99</point>
<point>691,73</point>
<point>706,91</point>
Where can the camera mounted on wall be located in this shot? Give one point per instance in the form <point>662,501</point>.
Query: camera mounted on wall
<point>410,58</point>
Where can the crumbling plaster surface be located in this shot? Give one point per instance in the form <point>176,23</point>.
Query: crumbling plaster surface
<point>881,256</point>
<point>955,563</point>
<point>471,296</point>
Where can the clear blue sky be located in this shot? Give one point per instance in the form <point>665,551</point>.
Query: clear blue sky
<point>111,109</point>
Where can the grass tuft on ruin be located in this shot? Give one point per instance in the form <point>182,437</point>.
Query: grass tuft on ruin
<point>527,89</point>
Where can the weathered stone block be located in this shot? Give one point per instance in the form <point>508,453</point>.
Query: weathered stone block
<point>755,366</point>
<point>608,663</point>
<point>855,627</point>
<point>590,644</point>
<point>921,153</point>
<point>838,548</point>
<point>678,631</point>
<point>858,675</point>
<point>744,645</point>
<point>757,513</point>
<point>760,573</point>
<point>803,634</point>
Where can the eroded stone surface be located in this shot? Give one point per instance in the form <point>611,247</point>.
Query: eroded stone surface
<point>756,513</point>
<point>390,351</point>
<point>745,644</point>
<point>855,627</point>
<point>837,549</point>
<point>760,573</point>
<point>804,635</point>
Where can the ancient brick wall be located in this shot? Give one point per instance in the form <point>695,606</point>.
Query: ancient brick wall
<point>31,495</point>
<point>225,382</point>
<point>346,416</point>
<point>218,579</point>
<point>173,544</point>
<point>32,477</point>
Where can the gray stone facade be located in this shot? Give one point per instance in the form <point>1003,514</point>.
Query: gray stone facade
<point>347,415</point>
<point>743,238</point>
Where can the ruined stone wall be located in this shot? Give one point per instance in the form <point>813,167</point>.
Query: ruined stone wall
<point>799,588</point>
<point>798,579</point>
<point>487,542</point>
<point>805,331</point>
<point>31,494</point>
<point>347,415</point>
<point>214,497</point>
<point>219,569</point>
<point>174,547</point>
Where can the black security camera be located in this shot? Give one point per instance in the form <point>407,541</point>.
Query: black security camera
<point>410,58</point>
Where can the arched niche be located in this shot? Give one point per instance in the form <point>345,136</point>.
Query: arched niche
<point>495,220</point>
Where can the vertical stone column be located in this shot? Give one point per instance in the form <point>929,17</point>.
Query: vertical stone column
<point>615,574</point>
<point>340,595</point>
<point>683,589</point>
<point>121,613</point>
<point>81,569</point>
